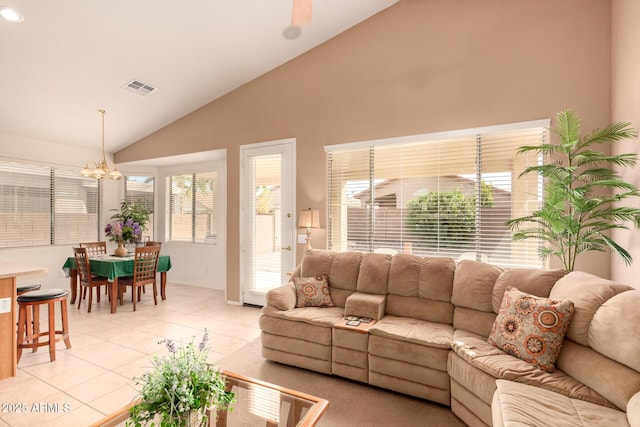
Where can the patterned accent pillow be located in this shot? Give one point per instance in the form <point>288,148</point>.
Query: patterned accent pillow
<point>312,292</point>
<point>531,328</point>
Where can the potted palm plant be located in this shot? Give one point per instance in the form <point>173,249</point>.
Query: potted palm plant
<point>584,194</point>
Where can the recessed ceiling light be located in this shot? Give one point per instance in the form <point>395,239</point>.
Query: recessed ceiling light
<point>10,14</point>
<point>291,32</point>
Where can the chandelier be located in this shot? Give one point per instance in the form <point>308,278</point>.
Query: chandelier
<point>102,167</point>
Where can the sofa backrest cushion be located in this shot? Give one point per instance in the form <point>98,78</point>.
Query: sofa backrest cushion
<point>601,347</point>
<point>424,277</point>
<point>374,273</point>
<point>613,329</point>
<point>341,269</point>
<point>420,288</point>
<point>588,293</point>
<point>478,289</point>
<point>472,295</point>
<point>473,285</point>
<point>532,281</point>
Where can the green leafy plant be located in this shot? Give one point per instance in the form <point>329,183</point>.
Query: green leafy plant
<point>180,388</point>
<point>583,193</point>
<point>135,212</point>
<point>446,217</point>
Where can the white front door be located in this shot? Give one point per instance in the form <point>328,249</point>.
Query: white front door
<point>268,217</point>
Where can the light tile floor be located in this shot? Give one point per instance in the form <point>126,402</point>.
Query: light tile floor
<point>95,376</point>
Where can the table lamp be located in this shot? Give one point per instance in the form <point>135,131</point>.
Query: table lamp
<point>309,219</point>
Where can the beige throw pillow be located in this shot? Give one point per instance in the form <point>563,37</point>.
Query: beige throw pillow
<point>531,328</point>
<point>312,292</point>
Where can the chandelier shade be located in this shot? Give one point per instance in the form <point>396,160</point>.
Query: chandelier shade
<point>101,169</point>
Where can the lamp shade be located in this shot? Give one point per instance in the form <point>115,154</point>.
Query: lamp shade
<point>309,219</point>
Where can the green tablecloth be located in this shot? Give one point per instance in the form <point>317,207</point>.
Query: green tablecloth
<point>112,267</point>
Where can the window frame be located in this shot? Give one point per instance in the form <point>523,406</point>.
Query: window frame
<point>210,239</point>
<point>338,209</point>
<point>150,231</point>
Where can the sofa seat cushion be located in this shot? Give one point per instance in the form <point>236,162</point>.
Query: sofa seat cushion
<point>516,404</point>
<point>482,355</point>
<point>326,316</point>
<point>438,335</point>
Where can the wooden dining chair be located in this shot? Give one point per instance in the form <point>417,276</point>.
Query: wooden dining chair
<point>144,273</point>
<point>150,243</point>
<point>94,248</point>
<point>87,279</point>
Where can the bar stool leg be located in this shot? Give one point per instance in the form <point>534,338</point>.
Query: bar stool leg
<point>22,314</point>
<point>36,325</point>
<point>52,331</point>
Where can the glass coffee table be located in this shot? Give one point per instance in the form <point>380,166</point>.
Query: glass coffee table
<point>258,403</point>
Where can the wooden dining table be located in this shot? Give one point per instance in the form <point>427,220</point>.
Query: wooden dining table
<point>113,267</point>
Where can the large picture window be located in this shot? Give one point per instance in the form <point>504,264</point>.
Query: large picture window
<point>446,194</point>
<point>192,207</point>
<point>42,205</point>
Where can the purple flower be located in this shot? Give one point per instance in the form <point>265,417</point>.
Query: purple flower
<point>171,345</point>
<point>117,229</point>
<point>205,340</point>
<point>107,229</point>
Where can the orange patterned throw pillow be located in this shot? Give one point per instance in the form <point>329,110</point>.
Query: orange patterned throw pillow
<point>531,328</point>
<point>312,292</point>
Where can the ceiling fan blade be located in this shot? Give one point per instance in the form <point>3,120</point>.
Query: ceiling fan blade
<point>301,12</point>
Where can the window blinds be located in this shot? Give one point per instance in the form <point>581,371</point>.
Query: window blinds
<point>76,208</point>
<point>42,205</point>
<point>192,206</point>
<point>141,190</point>
<point>445,196</point>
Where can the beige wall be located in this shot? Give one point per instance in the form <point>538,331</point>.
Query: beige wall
<point>626,107</point>
<point>417,67</point>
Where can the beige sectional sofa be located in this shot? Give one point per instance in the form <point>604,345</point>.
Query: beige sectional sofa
<point>430,339</point>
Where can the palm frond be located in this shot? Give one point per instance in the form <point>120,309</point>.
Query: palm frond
<point>614,132</point>
<point>568,128</point>
<point>616,213</point>
<point>588,157</point>
<point>616,248</point>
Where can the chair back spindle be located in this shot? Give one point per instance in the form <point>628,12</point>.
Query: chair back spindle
<point>95,248</point>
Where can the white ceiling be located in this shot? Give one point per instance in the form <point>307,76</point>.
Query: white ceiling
<point>69,58</point>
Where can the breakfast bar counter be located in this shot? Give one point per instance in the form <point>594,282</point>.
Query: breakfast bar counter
<point>9,272</point>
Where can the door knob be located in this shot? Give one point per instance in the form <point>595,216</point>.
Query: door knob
<point>288,248</point>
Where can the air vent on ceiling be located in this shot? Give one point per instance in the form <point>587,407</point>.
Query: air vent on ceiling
<point>139,88</point>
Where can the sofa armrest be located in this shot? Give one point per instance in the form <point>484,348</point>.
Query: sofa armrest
<point>282,297</point>
<point>633,410</point>
<point>365,305</point>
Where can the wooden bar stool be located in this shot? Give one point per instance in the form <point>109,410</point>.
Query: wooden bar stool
<point>23,290</point>
<point>27,288</point>
<point>31,301</point>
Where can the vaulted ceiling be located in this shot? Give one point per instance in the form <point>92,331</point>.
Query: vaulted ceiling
<point>69,58</point>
